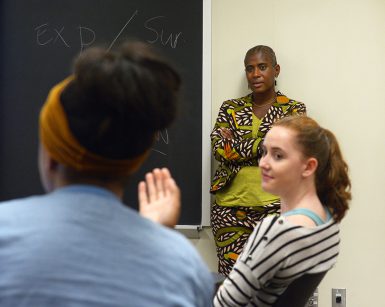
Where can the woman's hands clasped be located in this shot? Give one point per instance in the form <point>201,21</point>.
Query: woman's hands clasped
<point>226,133</point>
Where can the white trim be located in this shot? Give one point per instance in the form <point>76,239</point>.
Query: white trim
<point>190,231</point>
<point>206,113</point>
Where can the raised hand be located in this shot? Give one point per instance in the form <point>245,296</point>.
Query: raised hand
<point>159,197</point>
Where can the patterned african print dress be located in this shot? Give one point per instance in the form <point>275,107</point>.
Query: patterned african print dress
<point>240,201</point>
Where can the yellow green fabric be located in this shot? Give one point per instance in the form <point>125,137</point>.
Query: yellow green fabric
<point>246,189</point>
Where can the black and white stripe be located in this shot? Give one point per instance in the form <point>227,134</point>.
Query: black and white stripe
<point>276,253</point>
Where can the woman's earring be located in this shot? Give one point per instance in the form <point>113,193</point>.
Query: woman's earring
<point>275,82</point>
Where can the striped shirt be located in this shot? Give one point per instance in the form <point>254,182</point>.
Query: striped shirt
<point>277,253</point>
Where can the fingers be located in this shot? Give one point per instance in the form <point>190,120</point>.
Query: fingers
<point>142,194</point>
<point>151,188</point>
<point>159,182</point>
<point>226,133</point>
<point>159,197</point>
<point>166,173</point>
<point>166,181</point>
<point>155,186</point>
<point>172,187</point>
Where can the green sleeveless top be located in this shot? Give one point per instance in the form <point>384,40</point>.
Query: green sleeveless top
<point>245,189</point>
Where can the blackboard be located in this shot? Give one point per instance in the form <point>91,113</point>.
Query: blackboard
<point>39,40</point>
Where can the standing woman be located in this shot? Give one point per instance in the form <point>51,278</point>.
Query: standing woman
<point>236,142</point>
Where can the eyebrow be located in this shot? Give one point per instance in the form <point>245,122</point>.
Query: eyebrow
<point>275,148</point>
<point>261,63</point>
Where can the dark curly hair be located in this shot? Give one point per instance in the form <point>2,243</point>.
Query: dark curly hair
<point>119,99</point>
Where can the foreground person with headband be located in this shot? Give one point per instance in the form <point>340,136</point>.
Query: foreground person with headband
<point>79,245</point>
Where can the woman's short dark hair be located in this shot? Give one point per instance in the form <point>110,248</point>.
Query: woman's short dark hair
<point>266,50</point>
<point>120,99</point>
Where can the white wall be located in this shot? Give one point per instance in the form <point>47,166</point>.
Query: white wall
<point>332,57</point>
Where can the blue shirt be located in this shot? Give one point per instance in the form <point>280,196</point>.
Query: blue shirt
<point>80,246</point>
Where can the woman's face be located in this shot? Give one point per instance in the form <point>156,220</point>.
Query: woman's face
<point>282,164</point>
<point>261,73</point>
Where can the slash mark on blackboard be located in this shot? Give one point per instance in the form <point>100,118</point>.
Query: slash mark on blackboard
<point>117,36</point>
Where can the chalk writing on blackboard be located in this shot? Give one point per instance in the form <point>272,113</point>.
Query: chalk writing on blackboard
<point>162,137</point>
<point>46,35</point>
<point>155,27</point>
<point>120,32</point>
<point>173,39</point>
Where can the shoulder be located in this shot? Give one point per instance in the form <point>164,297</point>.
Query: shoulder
<point>287,232</point>
<point>20,204</point>
<point>284,100</point>
<point>263,231</point>
<point>238,102</point>
<point>276,237</point>
<point>301,220</point>
<point>275,228</point>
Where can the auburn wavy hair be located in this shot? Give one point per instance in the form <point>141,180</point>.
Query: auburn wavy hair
<point>331,178</point>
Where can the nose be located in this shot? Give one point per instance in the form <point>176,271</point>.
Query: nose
<point>256,72</point>
<point>263,163</point>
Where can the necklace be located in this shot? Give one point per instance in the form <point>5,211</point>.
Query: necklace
<point>265,104</point>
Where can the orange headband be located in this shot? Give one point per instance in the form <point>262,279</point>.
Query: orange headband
<point>63,147</point>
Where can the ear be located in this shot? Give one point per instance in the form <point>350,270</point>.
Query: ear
<point>310,167</point>
<point>47,168</point>
<point>52,164</point>
<point>277,69</point>
<point>47,162</point>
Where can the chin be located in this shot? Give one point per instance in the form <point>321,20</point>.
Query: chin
<point>267,188</point>
<point>259,91</point>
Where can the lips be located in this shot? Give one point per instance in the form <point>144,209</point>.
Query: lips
<point>266,177</point>
<point>257,84</point>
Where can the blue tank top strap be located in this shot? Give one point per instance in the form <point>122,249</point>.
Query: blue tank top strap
<point>310,214</point>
